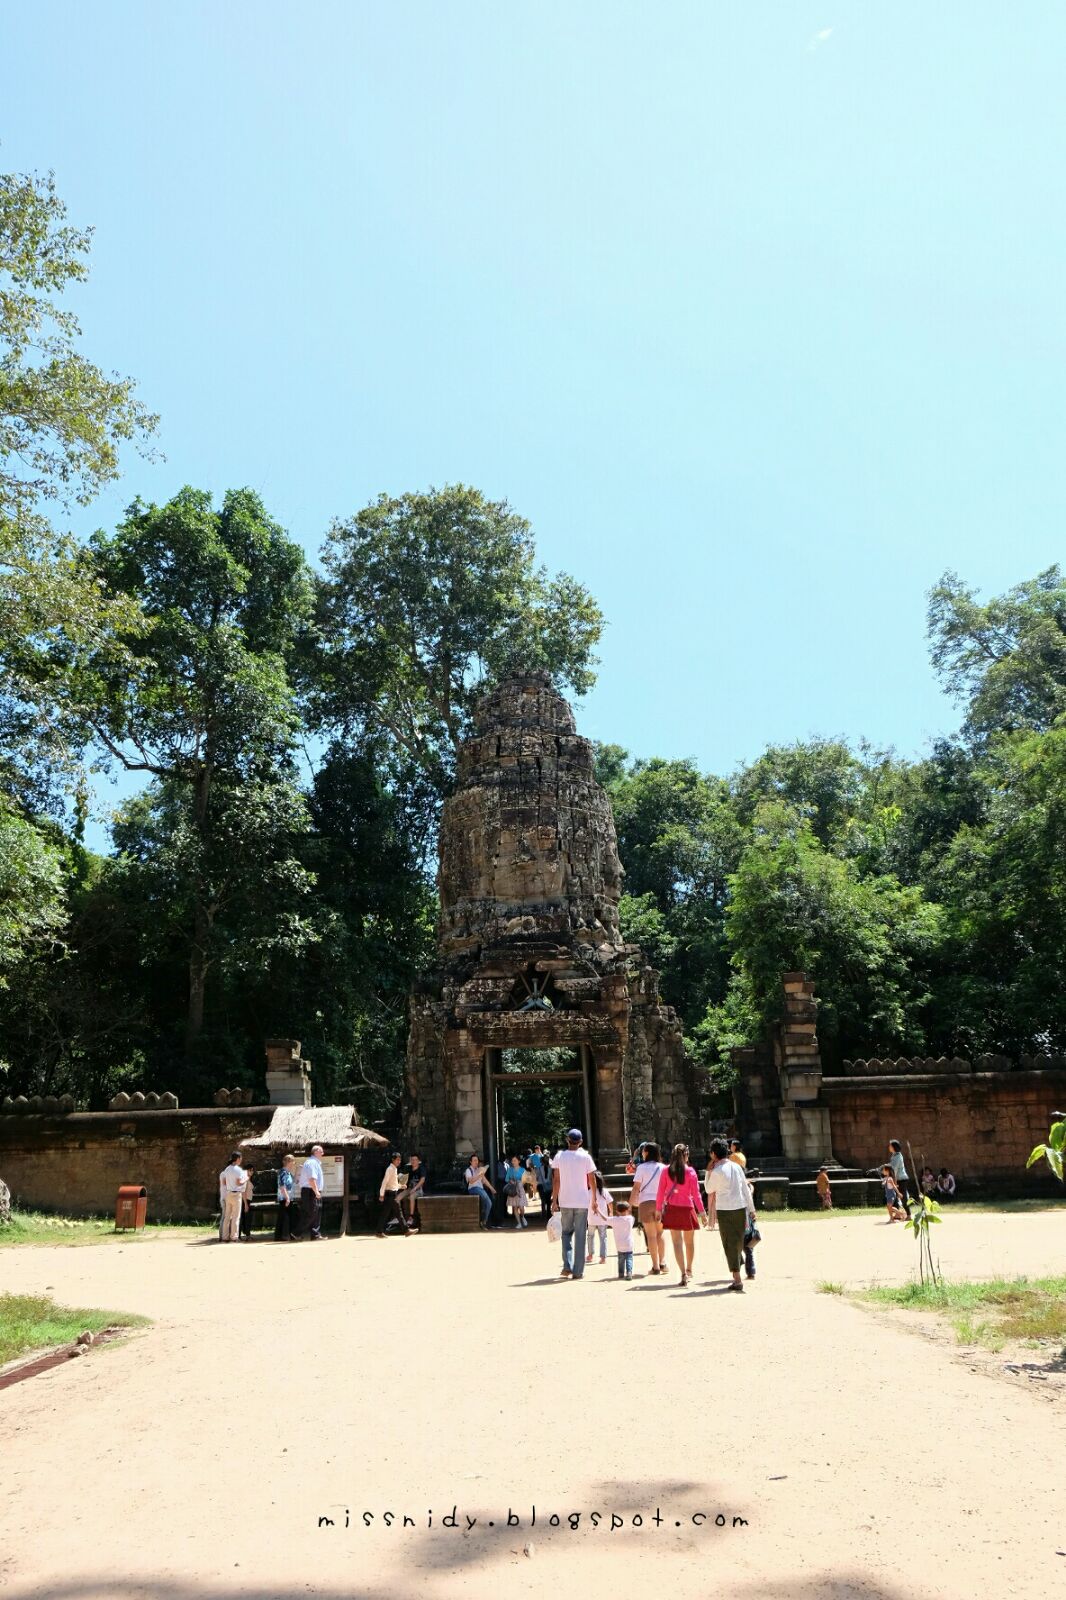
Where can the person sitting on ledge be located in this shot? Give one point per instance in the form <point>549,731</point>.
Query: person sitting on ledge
<point>945,1185</point>
<point>477,1181</point>
<point>417,1184</point>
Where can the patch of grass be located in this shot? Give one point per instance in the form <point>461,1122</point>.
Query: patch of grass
<point>827,1286</point>
<point>985,1207</point>
<point>34,1322</point>
<point>994,1313</point>
<point>40,1227</point>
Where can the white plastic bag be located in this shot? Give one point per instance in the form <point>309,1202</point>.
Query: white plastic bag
<point>554,1230</point>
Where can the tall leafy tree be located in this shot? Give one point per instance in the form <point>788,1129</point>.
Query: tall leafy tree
<point>1002,880</point>
<point>678,839</point>
<point>1005,660</point>
<point>32,884</point>
<point>62,420</point>
<point>427,598</point>
<point>203,701</point>
<point>866,941</point>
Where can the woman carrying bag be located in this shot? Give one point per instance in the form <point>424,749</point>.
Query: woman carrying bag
<point>679,1207</point>
<point>646,1175</point>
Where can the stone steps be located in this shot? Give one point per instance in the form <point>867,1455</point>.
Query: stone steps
<point>449,1213</point>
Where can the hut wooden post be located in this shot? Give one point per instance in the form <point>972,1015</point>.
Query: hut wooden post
<point>344,1202</point>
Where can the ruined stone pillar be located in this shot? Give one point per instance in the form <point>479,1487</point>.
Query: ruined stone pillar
<point>288,1076</point>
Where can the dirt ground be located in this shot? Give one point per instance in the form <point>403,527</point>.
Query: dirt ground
<point>281,1385</point>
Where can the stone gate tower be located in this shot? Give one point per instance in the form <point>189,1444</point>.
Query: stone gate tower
<point>530,953</point>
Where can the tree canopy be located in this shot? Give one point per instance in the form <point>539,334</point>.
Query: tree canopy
<point>429,597</point>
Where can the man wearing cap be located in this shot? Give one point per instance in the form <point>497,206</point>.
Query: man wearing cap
<point>311,1185</point>
<point>572,1178</point>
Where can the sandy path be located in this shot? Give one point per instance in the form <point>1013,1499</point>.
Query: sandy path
<point>282,1384</point>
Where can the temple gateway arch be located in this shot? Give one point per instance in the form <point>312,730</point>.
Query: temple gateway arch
<point>537,1013</point>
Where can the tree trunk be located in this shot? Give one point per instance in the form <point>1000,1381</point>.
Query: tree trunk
<point>199,955</point>
<point>198,964</point>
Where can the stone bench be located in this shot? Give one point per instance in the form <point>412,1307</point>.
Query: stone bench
<point>771,1193</point>
<point>845,1191</point>
<point>449,1213</point>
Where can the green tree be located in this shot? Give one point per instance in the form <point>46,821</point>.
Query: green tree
<point>62,420</point>
<point>226,896</point>
<point>32,874</point>
<point>348,990</point>
<point>202,701</point>
<point>1006,659</point>
<point>866,942</point>
<point>679,840</point>
<point>428,598</point>
<point>62,425</point>
<point>822,779</point>
<point>1002,881</point>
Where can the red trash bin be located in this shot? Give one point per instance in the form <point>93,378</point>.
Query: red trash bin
<point>131,1207</point>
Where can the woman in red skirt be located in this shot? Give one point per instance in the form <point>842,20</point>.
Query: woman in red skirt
<point>679,1206</point>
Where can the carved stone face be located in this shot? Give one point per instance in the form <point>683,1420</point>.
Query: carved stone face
<point>527,842</point>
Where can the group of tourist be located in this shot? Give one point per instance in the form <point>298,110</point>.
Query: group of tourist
<point>299,1199</point>
<point>665,1198</point>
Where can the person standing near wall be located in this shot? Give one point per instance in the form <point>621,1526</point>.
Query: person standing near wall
<point>232,1182</point>
<point>311,1185</point>
<point>899,1170</point>
<point>283,1226</point>
<point>731,1202</point>
<point>825,1191</point>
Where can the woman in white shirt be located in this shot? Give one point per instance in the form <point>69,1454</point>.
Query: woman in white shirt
<point>642,1199</point>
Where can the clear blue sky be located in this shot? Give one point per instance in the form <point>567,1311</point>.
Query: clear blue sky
<point>755,311</point>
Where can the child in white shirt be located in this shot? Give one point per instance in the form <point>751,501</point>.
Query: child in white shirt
<point>599,1216</point>
<point>621,1225</point>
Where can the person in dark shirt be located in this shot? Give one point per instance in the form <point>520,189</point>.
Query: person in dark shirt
<point>417,1184</point>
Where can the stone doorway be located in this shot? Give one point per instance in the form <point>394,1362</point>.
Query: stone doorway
<point>533,1096</point>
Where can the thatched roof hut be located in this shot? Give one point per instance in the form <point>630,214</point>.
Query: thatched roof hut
<point>296,1128</point>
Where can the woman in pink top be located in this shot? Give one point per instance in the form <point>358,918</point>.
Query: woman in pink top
<point>678,1205</point>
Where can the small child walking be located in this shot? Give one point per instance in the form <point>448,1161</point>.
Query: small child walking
<point>825,1193</point>
<point>752,1236</point>
<point>621,1225</point>
<point>897,1211</point>
<point>599,1216</point>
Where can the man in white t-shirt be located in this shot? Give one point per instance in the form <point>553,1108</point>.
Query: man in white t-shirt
<point>572,1171</point>
<point>231,1182</point>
